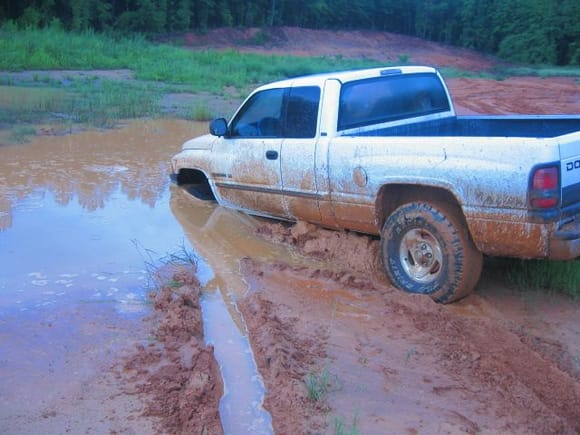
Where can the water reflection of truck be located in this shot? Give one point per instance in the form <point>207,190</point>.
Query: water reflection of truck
<point>220,237</point>
<point>382,152</point>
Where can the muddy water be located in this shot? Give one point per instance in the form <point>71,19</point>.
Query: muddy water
<point>80,217</point>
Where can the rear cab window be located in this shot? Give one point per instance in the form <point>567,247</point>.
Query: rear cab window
<point>390,98</point>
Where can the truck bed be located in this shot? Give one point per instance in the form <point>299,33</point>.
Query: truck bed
<point>536,126</point>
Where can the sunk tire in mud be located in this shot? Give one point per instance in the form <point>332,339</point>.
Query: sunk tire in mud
<point>426,249</point>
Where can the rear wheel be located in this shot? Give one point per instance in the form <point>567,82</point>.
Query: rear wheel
<point>426,248</point>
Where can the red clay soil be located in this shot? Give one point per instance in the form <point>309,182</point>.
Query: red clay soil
<point>400,363</point>
<point>516,95</point>
<point>176,374</point>
<point>380,46</point>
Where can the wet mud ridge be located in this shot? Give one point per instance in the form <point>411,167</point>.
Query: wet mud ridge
<point>176,374</point>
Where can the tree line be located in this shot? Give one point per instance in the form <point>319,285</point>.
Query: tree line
<point>528,31</point>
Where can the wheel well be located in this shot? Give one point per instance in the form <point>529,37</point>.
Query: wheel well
<point>190,176</point>
<point>392,196</point>
<point>196,183</point>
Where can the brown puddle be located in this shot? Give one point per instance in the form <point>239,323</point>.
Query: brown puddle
<point>80,218</point>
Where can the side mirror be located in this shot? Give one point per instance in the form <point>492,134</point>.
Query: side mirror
<point>218,127</point>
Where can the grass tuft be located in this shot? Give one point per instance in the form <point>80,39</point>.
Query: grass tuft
<point>156,267</point>
<point>319,385</point>
<point>21,134</point>
<point>341,428</point>
<point>548,276</point>
<point>202,114</point>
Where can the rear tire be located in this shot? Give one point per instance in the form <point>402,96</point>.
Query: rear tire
<point>426,249</point>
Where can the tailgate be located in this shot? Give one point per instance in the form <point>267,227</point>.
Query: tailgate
<point>570,169</point>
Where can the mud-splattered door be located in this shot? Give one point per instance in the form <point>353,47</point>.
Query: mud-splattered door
<point>248,174</point>
<point>246,163</point>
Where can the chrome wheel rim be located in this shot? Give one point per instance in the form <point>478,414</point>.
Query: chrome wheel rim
<point>420,255</point>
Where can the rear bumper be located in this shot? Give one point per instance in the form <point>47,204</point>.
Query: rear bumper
<point>565,241</point>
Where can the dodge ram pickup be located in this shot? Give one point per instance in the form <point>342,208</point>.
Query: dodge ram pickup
<point>381,151</point>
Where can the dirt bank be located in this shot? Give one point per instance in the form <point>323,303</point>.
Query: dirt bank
<point>522,95</point>
<point>380,46</point>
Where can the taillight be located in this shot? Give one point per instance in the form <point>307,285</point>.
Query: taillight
<point>545,179</point>
<point>545,187</point>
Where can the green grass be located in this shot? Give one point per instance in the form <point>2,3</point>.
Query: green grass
<point>547,276</point>
<point>205,70</point>
<point>342,428</point>
<point>542,71</point>
<point>202,70</point>
<point>158,69</point>
<point>157,267</point>
<point>21,134</point>
<point>319,385</point>
<point>99,103</point>
<point>201,113</point>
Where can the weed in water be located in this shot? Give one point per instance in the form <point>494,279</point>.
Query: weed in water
<point>103,103</point>
<point>341,428</point>
<point>182,257</point>
<point>21,134</point>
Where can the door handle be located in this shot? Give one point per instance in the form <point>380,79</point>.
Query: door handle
<point>271,155</point>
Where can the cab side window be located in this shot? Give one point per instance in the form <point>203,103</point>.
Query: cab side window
<point>261,116</point>
<point>302,112</point>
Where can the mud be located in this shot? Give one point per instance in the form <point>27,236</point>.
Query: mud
<point>176,374</point>
<point>402,363</point>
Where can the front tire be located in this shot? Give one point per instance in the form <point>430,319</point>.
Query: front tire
<point>426,249</point>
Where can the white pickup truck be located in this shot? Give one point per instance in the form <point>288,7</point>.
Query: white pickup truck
<point>381,151</point>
